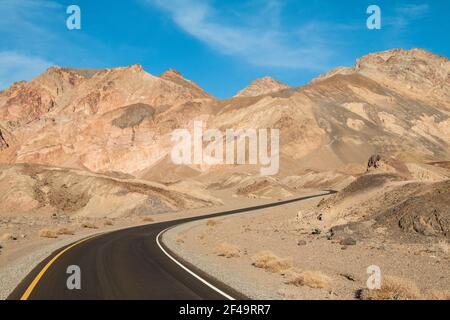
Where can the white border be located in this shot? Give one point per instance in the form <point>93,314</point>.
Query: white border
<point>189,271</point>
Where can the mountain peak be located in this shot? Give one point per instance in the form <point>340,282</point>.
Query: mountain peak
<point>262,86</point>
<point>400,55</point>
<point>176,77</point>
<point>412,68</point>
<point>171,73</point>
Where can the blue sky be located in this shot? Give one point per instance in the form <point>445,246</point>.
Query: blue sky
<point>222,45</point>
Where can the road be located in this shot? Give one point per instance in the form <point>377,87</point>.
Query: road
<point>129,264</point>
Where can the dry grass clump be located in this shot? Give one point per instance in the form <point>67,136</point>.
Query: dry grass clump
<point>270,262</point>
<point>180,239</point>
<point>64,231</point>
<point>312,279</point>
<point>438,295</point>
<point>88,225</point>
<point>46,233</point>
<point>228,250</point>
<point>444,247</point>
<point>212,223</point>
<point>148,219</point>
<point>393,288</point>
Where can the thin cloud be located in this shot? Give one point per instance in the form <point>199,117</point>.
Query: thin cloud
<point>24,33</point>
<point>414,10</point>
<point>16,66</point>
<point>263,44</point>
<point>407,14</point>
<point>34,35</point>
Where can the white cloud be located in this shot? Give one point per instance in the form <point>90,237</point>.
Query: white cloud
<point>262,43</point>
<point>413,10</point>
<point>24,32</point>
<point>15,67</point>
<point>407,14</point>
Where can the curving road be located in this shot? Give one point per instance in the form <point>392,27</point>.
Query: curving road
<point>129,264</point>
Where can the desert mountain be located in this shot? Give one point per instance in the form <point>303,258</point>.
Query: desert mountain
<point>119,120</point>
<point>95,119</point>
<point>262,86</point>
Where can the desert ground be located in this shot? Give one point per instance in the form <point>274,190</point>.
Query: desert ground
<point>274,254</point>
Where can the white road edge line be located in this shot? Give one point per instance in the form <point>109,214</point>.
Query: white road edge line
<point>189,271</point>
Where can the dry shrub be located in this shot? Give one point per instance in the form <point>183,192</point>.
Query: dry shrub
<point>148,219</point>
<point>443,246</point>
<point>88,225</point>
<point>46,233</point>
<point>312,279</point>
<point>270,262</point>
<point>438,295</point>
<point>64,231</point>
<point>228,250</point>
<point>212,223</point>
<point>393,288</point>
<point>179,239</point>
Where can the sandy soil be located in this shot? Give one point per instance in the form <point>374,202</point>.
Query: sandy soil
<point>278,230</point>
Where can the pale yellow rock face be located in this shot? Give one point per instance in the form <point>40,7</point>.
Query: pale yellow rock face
<point>262,86</point>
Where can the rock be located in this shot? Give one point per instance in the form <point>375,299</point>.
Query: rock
<point>373,161</point>
<point>8,236</point>
<point>329,235</point>
<point>302,243</point>
<point>348,242</point>
<point>316,231</point>
<point>3,143</point>
<point>348,276</point>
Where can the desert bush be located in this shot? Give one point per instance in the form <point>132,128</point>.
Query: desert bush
<point>88,225</point>
<point>393,288</point>
<point>443,246</point>
<point>179,239</point>
<point>64,231</point>
<point>270,262</point>
<point>312,279</point>
<point>212,223</point>
<point>46,233</point>
<point>228,250</point>
<point>438,295</point>
<point>148,219</point>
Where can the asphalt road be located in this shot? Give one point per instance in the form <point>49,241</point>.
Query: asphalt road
<point>128,264</point>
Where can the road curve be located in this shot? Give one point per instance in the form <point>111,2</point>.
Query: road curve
<point>128,264</point>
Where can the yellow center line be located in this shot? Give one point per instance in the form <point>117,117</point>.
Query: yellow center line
<point>34,283</point>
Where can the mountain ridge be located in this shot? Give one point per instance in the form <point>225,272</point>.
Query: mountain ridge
<point>120,119</point>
